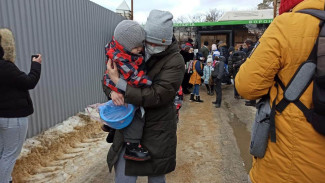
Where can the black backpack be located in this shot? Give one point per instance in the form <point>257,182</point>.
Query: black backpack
<point>237,59</point>
<point>214,73</point>
<point>312,70</point>
<point>216,70</point>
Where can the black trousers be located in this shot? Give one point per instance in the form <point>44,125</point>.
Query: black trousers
<point>217,83</point>
<point>133,132</point>
<point>209,87</point>
<point>235,90</point>
<point>185,83</point>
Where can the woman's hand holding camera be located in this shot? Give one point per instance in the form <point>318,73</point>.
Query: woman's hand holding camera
<point>37,58</point>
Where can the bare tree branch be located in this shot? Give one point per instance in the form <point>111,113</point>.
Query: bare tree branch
<point>267,4</point>
<point>181,19</point>
<point>199,17</point>
<point>213,15</point>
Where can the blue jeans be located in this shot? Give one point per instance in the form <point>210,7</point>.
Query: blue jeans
<point>120,176</point>
<point>12,136</point>
<point>196,89</point>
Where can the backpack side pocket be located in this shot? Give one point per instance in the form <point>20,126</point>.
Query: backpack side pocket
<point>261,128</point>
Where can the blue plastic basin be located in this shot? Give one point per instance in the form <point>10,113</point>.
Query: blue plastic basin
<point>116,117</point>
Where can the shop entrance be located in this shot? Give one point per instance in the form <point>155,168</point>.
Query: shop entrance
<point>213,36</point>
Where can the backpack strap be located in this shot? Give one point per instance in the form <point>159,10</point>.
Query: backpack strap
<point>273,113</point>
<point>300,81</point>
<point>298,84</point>
<point>309,66</point>
<point>320,14</point>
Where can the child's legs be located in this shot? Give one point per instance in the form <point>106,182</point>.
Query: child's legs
<point>196,89</point>
<point>218,91</point>
<point>133,132</point>
<point>212,88</point>
<point>208,87</point>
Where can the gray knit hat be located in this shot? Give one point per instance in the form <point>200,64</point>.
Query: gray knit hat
<point>129,34</point>
<point>159,27</point>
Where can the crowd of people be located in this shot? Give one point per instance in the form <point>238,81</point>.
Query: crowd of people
<point>146,68</point>
<point>213,67</point>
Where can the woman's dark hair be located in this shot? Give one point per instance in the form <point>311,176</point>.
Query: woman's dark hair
<point>249,42</point>
<point>206,43</point>
<point>231,48</point>
<point>198,55</point>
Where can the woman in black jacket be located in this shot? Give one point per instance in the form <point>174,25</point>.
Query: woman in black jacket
<point>15,103</point>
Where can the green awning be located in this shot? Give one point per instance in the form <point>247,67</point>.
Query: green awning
<point>234,22</point>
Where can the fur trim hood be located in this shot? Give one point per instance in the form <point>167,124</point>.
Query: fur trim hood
<point>7,45</point>
<point>222,44</point>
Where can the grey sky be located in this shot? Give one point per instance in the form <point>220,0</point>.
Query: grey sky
<point>179,7</point>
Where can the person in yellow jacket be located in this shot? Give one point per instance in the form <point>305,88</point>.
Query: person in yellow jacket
<point>195,79</point>
<point>298,156</point>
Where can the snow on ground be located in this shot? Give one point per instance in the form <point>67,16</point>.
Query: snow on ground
<point>59,153</point>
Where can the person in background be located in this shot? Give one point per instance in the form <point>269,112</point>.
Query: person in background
<point>222,46</point>
<point>195,79</point>
<point>217,75</point>
<point>240,48</point>
<point>205,50</point>
<point>187,53</point>
<point>207,76</point>
<point>15,103</point>
<point>298,155</point>
<point>214,51</point>
<point>236,59</point>
<point>248,46</point>
<point>179,101</point>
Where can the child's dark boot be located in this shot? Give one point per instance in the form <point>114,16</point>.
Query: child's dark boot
<point>135,152</point>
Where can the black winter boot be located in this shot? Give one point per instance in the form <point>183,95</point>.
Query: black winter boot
<point>198,99</point>
<point>111,133</point>
<point>192,97</point>
<point>212,89</point>
<point>211,92</point>
<point>135,152</point>
<point>106,128</point>
<point>250,103</point>
<point>110,136</point>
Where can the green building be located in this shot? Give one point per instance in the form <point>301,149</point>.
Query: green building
<point>233,28</point>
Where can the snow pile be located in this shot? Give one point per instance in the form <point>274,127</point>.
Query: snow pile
<point>54,151</point>
<point>66,126</point>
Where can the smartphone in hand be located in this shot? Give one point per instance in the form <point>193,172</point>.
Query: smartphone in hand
<point>36,56</point>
